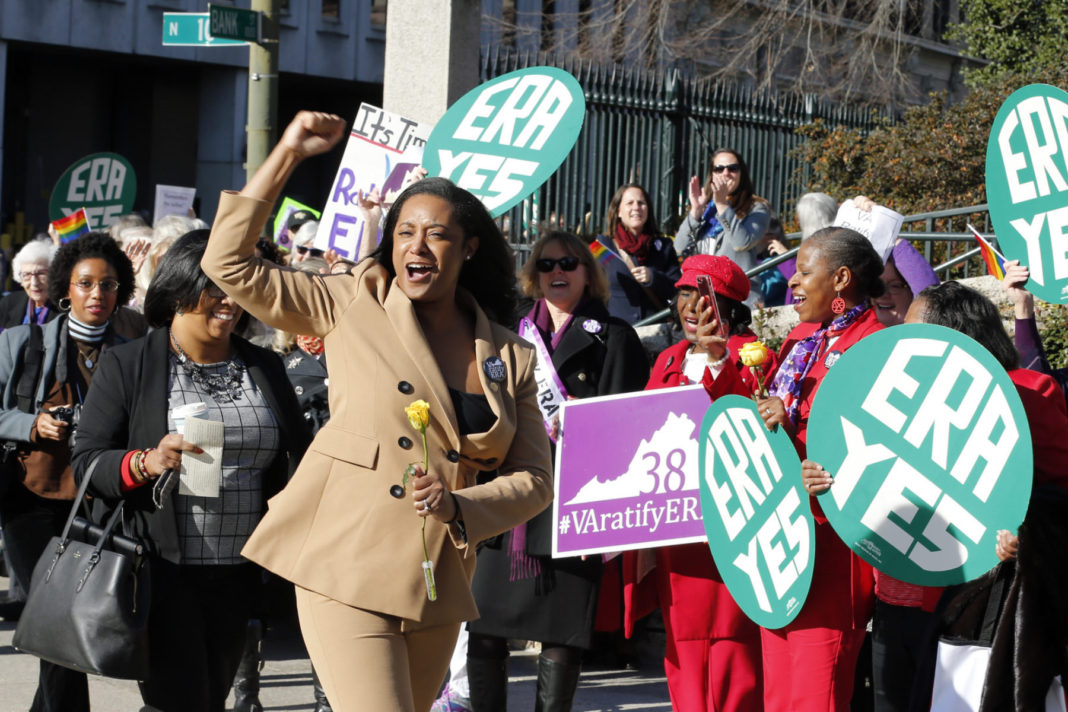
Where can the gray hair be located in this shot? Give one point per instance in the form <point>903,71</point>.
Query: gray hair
<point>33,251</point>
<point>306,233</point>
<point>171,227</point>
<point>815,211</point>
<point>124,223</point>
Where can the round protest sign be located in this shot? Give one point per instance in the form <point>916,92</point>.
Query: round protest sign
<point>756,514</point>
<point>930,451</point>
<point>504,138</point>
<point>1027,185</point>
<point>102,183</point>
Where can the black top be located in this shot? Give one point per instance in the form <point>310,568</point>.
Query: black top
<point>473,412</point>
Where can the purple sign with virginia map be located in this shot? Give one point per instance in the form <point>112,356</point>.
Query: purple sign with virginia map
<point>626,472</point>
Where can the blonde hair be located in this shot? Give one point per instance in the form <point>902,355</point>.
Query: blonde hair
<point>596,281</point>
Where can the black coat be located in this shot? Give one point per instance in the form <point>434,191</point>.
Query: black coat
<point>126,409</point>
<point>13,309</point>
<point>598,355</point>
<point>631,301</point>
<point>310,382</point>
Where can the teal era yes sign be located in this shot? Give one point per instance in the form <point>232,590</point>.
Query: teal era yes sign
<point>504,138</point>
<point>930,452</point>
<point>756,514</point>
<point>1027,185</point>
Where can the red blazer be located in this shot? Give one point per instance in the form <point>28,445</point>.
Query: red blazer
<point>842,595</point>
<point>667,371</point>
<point>685,583</point>
<point>1043,401</point>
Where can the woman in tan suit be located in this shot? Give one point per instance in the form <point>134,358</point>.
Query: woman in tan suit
<point>417,321</point>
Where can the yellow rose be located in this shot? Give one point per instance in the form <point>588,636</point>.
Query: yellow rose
<point>753,354</point>
<point>418,414</point>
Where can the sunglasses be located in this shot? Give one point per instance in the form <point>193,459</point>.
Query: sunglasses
<point>567,264</point>
<point>315,251</point>
<point>729,167</point>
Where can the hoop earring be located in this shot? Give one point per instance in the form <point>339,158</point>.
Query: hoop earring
<point>838,304</point>
<point>64,304</point>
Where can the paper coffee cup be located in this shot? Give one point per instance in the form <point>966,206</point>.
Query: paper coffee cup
<point>189,410</point>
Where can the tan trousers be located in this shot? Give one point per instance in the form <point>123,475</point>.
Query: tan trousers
<point>369,661</point>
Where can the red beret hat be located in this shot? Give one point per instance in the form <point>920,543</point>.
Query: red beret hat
<point>728,279</point>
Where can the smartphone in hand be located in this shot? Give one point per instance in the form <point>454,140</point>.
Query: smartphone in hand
<point>704,288</point>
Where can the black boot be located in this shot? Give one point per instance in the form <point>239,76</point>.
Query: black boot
<point>556,685</point>
<point>247,679</point>
<point>321,703</point>
<point>488,678</point>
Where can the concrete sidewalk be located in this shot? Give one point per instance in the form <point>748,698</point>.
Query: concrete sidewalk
<point>286,681</point>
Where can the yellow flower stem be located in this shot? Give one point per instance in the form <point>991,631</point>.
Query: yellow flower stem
<point>426,466</point>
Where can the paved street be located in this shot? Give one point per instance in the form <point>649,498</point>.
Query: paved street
<point>287,681</point>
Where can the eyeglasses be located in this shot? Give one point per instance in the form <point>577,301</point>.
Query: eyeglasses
<point>40,275</point>
<point>567,264</point>
<point>214,292</point>
<point>106,285</point>
<point>729,167</point>
<point>314,251</point>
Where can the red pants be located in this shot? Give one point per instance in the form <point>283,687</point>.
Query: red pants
<point>714,675</point>
<point>809,669</point>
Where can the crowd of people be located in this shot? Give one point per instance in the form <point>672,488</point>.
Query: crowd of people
<point>404,491</point>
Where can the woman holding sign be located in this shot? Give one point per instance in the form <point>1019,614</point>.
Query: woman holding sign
<point>521,591</point>
<point>712,659</point>
<point>809,664</point>
<point>377,529</point>
<point>640,262</point>
<point>203,590</point>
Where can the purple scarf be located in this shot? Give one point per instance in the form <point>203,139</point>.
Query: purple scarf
<point>794,368</point>
<point>539,314</point>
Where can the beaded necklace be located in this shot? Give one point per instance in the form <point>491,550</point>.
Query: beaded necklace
<point>226,384</point>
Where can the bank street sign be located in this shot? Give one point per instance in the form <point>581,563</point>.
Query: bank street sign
<point>757,515</point>
<point>103,183</point>
<point>235,23</point>
<point>185,29</point>
<point>504,138</point>
<point>1027,186</point>
<point>930,451</point>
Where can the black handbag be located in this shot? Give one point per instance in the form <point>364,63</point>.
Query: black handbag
<point>87,607</point>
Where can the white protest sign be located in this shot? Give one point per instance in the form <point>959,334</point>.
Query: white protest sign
<point>383,151</point>
<point>173,200</point>
<point>880,225</point>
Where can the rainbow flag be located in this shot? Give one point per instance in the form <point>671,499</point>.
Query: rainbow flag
<point>995,261</point>
<point>73,226</point>
<point>601,253</point>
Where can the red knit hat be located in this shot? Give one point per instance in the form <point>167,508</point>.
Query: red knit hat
<point>728,279</point>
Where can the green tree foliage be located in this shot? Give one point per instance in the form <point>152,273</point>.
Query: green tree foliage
<point>1015,35</point>
<point>933,158</point>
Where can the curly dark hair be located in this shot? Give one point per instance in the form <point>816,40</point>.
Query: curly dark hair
<point>490,273</point>
<point>95,245</point>
<point>844,247</point>
<point>963,309</point>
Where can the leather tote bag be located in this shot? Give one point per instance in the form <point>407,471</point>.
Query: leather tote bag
<point>87,607</point>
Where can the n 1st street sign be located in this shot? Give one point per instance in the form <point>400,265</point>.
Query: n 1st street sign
<point>234,23</point>
<point>185,29</point>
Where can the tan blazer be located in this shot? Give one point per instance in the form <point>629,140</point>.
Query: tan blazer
<point>335,529</point>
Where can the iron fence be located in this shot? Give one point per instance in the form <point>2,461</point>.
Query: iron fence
<point>658,129</point>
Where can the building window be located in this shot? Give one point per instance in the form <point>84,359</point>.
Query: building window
<point>332,9</point>
<point>378,13</point>
<point>283,7</point>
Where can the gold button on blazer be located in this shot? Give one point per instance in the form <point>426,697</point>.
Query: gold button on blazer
<point>335,529</point>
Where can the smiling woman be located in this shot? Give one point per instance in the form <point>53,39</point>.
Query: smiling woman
<point>420,320</point>
<point>202,589</point>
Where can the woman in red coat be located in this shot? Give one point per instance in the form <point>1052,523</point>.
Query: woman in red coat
<point>712,659</point>
<point>809,664</point>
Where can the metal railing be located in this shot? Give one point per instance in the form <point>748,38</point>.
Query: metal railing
<point>939,238</point>
<point>657,129</point>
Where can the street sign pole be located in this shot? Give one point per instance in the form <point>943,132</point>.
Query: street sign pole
<point>262,87</point>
